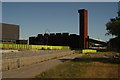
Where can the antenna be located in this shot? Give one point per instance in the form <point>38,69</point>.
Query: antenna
<point>119,9</point>
<point>47,31</point>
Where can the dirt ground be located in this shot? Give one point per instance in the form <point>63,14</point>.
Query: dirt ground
<point>36,69</point>
<point>33,70</point>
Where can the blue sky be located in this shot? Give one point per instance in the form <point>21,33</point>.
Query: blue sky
<point>37,17</point>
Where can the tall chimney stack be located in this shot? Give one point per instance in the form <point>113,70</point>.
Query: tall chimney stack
<point>83,24</point>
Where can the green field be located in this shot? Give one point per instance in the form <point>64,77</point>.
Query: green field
<point>85,67</point>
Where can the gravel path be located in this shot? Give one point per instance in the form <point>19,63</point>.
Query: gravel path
<point>33,70</point>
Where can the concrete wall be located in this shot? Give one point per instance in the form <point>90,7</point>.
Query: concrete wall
<point>13,62</point>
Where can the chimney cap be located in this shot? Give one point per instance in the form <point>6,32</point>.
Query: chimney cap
<point>80,10</point>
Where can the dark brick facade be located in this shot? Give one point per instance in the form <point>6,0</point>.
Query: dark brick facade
<point>58,39</point>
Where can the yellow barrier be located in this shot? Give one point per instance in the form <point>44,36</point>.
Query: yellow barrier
<point>23,46</point>
<point>89,51</point>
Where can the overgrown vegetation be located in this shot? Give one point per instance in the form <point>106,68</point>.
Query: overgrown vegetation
<point>114,44</point>
<point>87,66</point>
<point>113,28</point>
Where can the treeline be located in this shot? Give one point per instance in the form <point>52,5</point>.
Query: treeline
<point>113,28</point>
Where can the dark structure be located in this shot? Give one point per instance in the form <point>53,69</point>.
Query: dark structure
<point>114,44</point>
<point>10,32</point>
<point>83,15</point>
<point>21,41</point>
<point>58,39</point>
<point>98,42</point>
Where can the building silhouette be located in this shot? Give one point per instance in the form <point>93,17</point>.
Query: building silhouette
<point>64,39</point>
<point>56,39</point>
<point>10,34</point>
<point>80,41</point>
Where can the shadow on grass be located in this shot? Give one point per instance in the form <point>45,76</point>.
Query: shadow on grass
<point>103,60</point>
<point>63,60</point>
<point>93,59</point>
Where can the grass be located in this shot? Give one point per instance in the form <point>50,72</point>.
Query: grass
<point>84,67</point>
<point>111,52</point>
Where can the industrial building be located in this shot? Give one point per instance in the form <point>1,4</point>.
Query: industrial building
<point>80,41</point>
<point>9,33</point>
<point>56,39</point>
<point>64,39</point>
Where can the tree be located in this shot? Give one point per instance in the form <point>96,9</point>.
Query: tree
<point>113,27</point>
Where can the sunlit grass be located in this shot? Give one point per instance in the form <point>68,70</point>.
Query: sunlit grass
<point>84,67</point>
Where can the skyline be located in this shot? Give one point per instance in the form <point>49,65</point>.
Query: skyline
<point>36,17</point>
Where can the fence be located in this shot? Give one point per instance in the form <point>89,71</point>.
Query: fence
<point>23,46</point>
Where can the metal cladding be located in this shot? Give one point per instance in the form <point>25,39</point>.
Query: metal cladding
<point>83,20</point>
<point>9,31</point>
